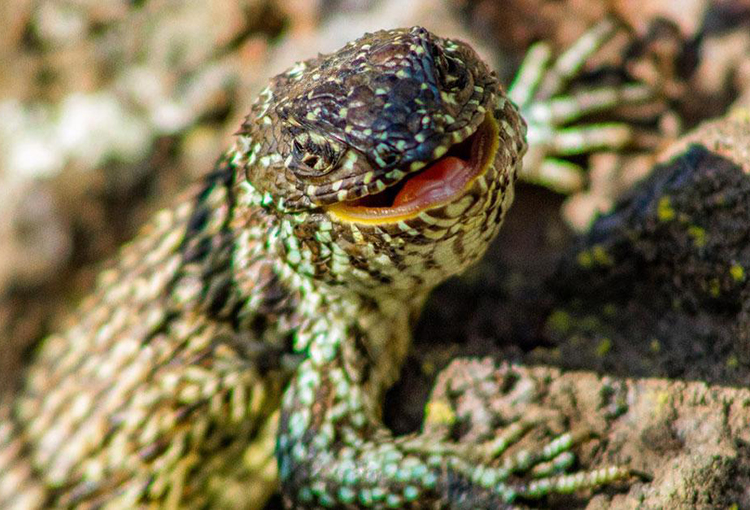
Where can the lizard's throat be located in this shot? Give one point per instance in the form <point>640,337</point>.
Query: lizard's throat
<point>442,182</point>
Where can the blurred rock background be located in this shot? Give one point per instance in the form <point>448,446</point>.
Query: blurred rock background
<point>109,108</point>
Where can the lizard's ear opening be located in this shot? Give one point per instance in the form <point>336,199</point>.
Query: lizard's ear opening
<point>438,183</point>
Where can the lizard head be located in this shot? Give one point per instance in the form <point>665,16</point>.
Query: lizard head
<point>392,160</point>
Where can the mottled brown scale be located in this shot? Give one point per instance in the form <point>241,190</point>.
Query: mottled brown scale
<point>85,433</point>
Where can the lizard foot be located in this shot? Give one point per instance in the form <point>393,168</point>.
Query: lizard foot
<point>473,398</point>
<point>369,467</point>
<point>538,91</point>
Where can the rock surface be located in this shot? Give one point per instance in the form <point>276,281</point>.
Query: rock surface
<point>689,438</point>
<point>654,302</point>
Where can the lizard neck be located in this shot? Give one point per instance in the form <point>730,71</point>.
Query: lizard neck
<point>380,321</point>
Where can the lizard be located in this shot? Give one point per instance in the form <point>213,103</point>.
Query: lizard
<point>273,303</point>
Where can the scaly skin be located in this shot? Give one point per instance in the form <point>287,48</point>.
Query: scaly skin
<point>163,388</point>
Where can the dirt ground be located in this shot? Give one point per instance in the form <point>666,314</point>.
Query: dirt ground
<point>636,325</point>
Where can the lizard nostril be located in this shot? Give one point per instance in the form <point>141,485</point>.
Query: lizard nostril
<point>454,78</point>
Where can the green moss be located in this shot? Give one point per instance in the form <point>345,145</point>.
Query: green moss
<point>554,354</point>
<point>733,361</point>
<point>591,323</point>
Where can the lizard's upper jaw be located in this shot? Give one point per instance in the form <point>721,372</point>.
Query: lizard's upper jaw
<point>439,183</point>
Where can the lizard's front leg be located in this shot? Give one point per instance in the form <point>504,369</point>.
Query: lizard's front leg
<point>333,451</point>
<point>553,116</point>
<point>386,167</point>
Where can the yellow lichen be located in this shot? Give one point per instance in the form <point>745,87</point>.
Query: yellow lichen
<point>596,256</point>
<point>439,413</point>
<point>560,321</point>
<point>662,398</point>
<point>585,259</point>
<point>605,345</point>
<point>601,256</point>
<point>655,345</point>
<point>740,113</point>
<point>737,272</point>
<point>714,287</point>
<point>664,209</point>
<point>698,234</point>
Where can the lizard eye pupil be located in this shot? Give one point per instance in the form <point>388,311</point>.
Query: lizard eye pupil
<point>311,160</point>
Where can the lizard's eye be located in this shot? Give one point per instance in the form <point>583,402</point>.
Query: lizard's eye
<point>310,159</point>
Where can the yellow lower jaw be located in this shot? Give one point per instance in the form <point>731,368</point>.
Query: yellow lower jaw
<point>369,215</point>
<point>384,215</point>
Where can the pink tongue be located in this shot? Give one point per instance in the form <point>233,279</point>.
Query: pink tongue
<point>437,182</point>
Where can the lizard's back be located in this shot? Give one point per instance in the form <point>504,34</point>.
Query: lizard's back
<point>151,393</point>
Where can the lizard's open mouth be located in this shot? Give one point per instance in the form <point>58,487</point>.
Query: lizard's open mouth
<point>436,184</point>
